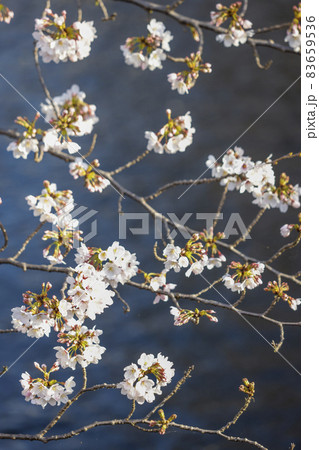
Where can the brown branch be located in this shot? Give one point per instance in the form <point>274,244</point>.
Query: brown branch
<point>221,203</point>
<point>250,227</point>
<point>43,84</point>
<point>280,26</point>
<point>130,163</point>
<point>91,147</point>
<point>11,330</point>
<point>180,183</point>
<point>5,237</point>
<point>184,20</point>
<point>288,156</point>
<point>179,384</point>
<point>284,249</point>
<point>265,66</point>
<point>239,413</point>
<point>126,306</point>
<point>10,133</point>
<point>28,239</point>
<point>66,406</point>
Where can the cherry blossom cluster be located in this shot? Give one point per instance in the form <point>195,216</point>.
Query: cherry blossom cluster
<point>116,264</point>
<point>38,314</point>
<point>246,275</point>
<point>241,173</point>
<point>148,52</point>
<point>182,316</point>
<point>93,181</point>
<point>88,294</point>
<point>61,202</point>
<point>173,137</point>
<point>157,281</point>
<point>278,197</point>
<point>37,140</point>
<point>185,80</point>
<point>5,14</point>
<point>286,229</point>
<point>82,347</point>
<point>239,28</point>
<point>43,391</point>
<point>199,252</point>
<point>138,385</point>
<point>293,36</point>
<point>75,116</point>
<point>59,42</point>
<point>28,141</point>
<point>279,290</point>
<point>64,234</point>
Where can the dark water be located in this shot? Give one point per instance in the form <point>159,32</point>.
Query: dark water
<point>128,103</point>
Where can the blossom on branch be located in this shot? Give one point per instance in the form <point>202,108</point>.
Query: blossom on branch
<point>241,173</point>
<point>185,80</point>
<point>59,42</point>
<point>5,14</point>
<point>94,182</point>
<point>246,275</point>
<point>279,291</point>
<point>43,391</point>
<point>138,385</point>
<point>38,314</point>
<point>116,264</point>
<point>199,252</point>
<point>76,117</point>
<point>183,316</point>
<point>61,202</point>
<point>293,36</point>
<point>82,347</point>
<point>148,52</point>
<point>173,137</point>
<point>237,31</point>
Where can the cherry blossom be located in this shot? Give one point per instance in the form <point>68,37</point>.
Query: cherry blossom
<point>185,80</point>
<point>43,391</point>
<point>61,202</point>
<point>117,265</point>
<point>199,252</point>
<point>241,173</point>
<point>239,28</point>
<point>59,42</point>
<point>293,36</point>
<point>173,137</point>
<point>38,314</point>
<point>148,52</point>
<point>77,116</point>
<point>183,316</point>
<point>246,275</point>
<point>94,182</point>
<point>82,347</point>
<point>279,290</point>
<point>5,14</point>
<point>138,385</point>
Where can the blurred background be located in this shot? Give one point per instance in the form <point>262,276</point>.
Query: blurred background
<point>130,101</point>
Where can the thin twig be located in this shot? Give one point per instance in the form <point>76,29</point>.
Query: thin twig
<point>28,239</point>
<point>179,384</point>
<point>91,147</point>
<point>43,84</point>
<point>130,163</point>
<point>250,227</point>
<point>221,203</point>
<point>5,237</point>
<point>66,406</point>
